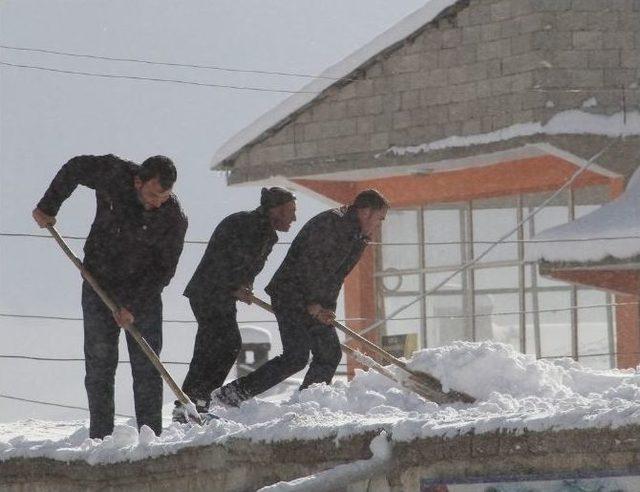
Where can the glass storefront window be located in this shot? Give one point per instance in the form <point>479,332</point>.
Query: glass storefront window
<point>491,221</point>
<point>497,278</point>
<point>443,226</point>
<point>400,226</point>
<point>394,283</point>
<point>456,282</point>
<point>407,322</point>
<point>492,321</point>
<point>555,326</point>
<point>501,285</point>
<point>446,320</point>
<point>594,337</point>
<point>531,324</point>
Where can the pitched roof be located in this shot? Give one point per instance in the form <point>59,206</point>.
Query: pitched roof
<point>341,70</point>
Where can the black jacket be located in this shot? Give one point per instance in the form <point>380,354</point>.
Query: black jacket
<point>132,252</point>
<point>323,253</point>
<point>236,253</point>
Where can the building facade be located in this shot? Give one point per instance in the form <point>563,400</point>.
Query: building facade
<point>469,115</point>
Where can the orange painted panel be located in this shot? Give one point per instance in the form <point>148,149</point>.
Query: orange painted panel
<point>626,282</point>
<point>360,303</point>
<point>628,332</point>
<point>535,174</point>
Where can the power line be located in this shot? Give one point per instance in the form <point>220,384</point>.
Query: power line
<point>582,356</point>
<point>261,72</point>
<point>407,318</point>
<point>168,64</point>
<point>76,359</point>
<point>244,70</point>
<point>153,79</point>
<point>181,321</point>
<point>513,241</point>
<point>44,236</point>
<point>426,243</point>
<point>81,359</point>
<point>51,404</point>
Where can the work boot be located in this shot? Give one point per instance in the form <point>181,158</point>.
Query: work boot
<point>179,413</point>
<point>181,416</point>
<point>228,396</point>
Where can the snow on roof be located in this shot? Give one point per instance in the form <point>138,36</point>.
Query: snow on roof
<point>398,32</point>
<point>515,392</point>
<point>619,218</point>
<point>572,122</point>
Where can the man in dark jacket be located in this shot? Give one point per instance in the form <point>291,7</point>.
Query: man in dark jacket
<point>304,292</point>
<point>236,253</point>
<point>132,250</point>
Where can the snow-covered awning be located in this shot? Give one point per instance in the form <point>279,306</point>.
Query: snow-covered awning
<point>612,231</point>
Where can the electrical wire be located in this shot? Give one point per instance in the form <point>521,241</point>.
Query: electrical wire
<point>81,359</point>
<point>168,64</point>
<point>426,243</point>
<point>180,321</point>
<point>51,404</point>
<point>259,72</point>
<point>153,79</point>
<point>407,318</point>
<point>75,359</point>
<point>247,367</point>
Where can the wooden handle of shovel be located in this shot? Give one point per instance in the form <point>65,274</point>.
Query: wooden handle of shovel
<point>131,329</point>
<point>420,382</point>
<point>362,359</point>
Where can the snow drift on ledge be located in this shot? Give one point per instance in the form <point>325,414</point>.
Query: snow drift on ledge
<point>514,391</point>
<point>619,218</point>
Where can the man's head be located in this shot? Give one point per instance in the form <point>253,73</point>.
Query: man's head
<point>371,208</point>
<point>154,181</point>
<point>280,206</point>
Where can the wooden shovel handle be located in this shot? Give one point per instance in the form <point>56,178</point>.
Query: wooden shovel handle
<point>131,329</point>
<point>425,382</point>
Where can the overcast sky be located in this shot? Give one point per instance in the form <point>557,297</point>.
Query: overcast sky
<point>47,118</point>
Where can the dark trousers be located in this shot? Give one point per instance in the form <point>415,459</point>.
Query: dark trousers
<point>101,359</point>
<point>215,350</point>
<point>300,334</point>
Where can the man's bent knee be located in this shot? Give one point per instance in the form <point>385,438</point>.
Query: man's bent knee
<point>297,362</point>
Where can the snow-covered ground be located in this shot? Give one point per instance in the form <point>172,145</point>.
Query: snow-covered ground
<point>514,391</point>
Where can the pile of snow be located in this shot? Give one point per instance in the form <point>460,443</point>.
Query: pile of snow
<point>514,391</point>
<point>619,218</point>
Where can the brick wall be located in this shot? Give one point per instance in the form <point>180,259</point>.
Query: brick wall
<point>487,65</point>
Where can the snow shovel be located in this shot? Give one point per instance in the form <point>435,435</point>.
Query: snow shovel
<point>430,389</point>
<point>190,408</point>
<point>418,377</point>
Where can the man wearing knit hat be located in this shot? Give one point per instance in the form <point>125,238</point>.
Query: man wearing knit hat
<point>236,253</point>
<point>304,293</point>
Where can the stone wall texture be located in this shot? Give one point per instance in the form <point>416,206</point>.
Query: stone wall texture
<point>482,65</point>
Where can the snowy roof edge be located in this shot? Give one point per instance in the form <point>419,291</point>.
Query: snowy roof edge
<point>612,231</point>
<point>407,26</point>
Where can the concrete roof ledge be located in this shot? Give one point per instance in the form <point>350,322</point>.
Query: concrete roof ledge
<point>240,465</point>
